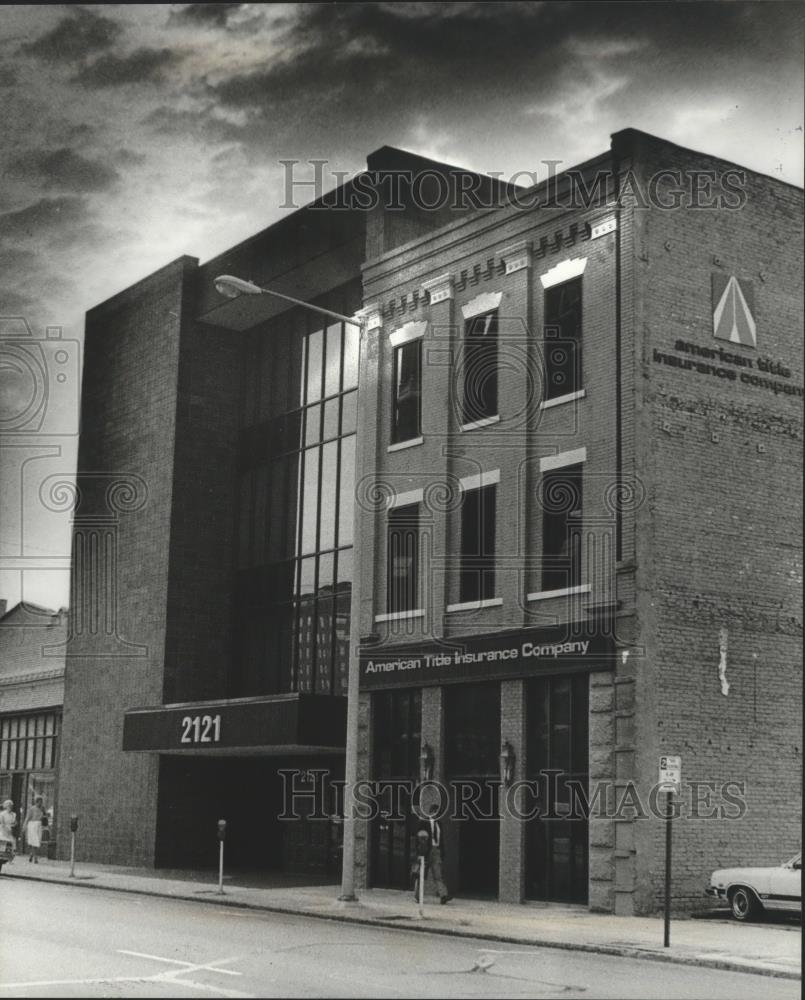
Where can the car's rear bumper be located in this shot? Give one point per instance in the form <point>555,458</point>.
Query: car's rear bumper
<point>711,890</point>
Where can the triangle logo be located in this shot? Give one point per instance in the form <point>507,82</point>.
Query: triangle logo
<point>734,310</point>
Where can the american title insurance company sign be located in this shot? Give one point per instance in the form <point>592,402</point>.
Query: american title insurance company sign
<point>498,655</point>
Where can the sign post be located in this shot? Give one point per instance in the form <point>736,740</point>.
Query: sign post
<point>422,848</point>
<point>670,783</point>
<point>73,831</point>
<point>221,838</point>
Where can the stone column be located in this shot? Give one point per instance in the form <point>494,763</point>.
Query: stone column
<point>433,737</point>
<point>512,802</point>
<point>601,829</point>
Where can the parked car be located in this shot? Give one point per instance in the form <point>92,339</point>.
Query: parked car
<point>751,891</point>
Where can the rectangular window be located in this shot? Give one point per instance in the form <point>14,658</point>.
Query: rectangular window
<point>477,570</point>
<point>481,368</point>
<point>563,339</point>
<point>561,528</point>
<point>403,559</point>
<point>406,407</point>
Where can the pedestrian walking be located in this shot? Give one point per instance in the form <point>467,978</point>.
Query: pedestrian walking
<point>32,828</point>
<point>434,859</point>
<point>8,842</point>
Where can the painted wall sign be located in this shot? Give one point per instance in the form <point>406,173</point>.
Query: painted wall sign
<point>516,653</point>
<point>730,367</point>
<point>734,310</point>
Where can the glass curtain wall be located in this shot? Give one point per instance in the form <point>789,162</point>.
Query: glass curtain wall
<point>296,506</point>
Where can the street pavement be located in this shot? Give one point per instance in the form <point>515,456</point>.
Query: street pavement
<point>770,948</point>
<point>72,941</point>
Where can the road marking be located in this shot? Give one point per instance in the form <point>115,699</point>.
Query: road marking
<point>171,977</point>
<point>187,966</point>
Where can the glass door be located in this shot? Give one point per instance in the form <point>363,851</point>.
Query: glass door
<point>557,841</point>
<point>396,729</point>
<point>472,744</point>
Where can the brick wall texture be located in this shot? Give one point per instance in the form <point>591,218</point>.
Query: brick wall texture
<point>697,566</point>
<point>130,391</point>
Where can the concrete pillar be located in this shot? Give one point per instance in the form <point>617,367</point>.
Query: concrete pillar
<point>512,802</point>
<point>601,829</point>
<point>361,831</point>
<point>433,736</point>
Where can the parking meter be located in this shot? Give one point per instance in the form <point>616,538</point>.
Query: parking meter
<point>221,839</point>
<point>422,850</point>
<point>73,831</point>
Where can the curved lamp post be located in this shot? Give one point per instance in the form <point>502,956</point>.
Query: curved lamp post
<point>232,287</point>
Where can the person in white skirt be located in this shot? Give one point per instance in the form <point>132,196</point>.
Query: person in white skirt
<point>32,828</point>
<point>8,820</point>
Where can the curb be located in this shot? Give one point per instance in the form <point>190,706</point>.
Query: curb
<point>620,951</point>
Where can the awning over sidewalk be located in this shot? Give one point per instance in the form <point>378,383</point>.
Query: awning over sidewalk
<point>278,724</point>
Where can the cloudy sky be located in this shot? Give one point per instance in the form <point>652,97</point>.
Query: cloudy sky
<point>133,134</point>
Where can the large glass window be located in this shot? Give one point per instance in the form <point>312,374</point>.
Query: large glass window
<point>28,742</point>
<point>407,385</point>
<point>296,503</point>
<point>481,368</point>
<point>403,559</point>
<point>563,339</point>
<point>561,528</point>
<point>478,519</point>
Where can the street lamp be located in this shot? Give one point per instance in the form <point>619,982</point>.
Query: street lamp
<point>232,287</point>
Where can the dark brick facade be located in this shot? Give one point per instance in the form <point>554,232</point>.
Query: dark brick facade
<point>691,495</point>
<point>691,516</point>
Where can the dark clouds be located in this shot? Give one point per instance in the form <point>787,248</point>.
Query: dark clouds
<point>448,53</point>
<point>200,124</point>
<point>47,215</point>
<point>208,14</point>
<point>143,65</point>
<point>81,33</point>
<point>64,169</point>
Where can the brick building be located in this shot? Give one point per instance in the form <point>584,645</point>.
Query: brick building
<point>32,649</point>
<point>577,479</point>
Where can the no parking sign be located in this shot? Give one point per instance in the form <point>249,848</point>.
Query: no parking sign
<point>671,773</point>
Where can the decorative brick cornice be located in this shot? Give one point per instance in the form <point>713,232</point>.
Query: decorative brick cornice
<point>371,316</point>
<point>517,257</point>
<point>439,289</point>
<point>509,260</point>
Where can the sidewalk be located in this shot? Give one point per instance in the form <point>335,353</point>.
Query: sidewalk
<point>771,949</point>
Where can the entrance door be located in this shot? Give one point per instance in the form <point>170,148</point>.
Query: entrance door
<point>472,752</point>
<point>396,727</point>
<point>557,841</point>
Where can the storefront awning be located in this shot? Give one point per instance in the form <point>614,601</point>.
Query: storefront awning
<point>277,724</point>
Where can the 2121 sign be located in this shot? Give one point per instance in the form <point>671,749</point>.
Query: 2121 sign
<point>201,729</point>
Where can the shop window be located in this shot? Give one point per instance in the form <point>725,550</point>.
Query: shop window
<point>563,339</point>
<point>403,545</point>
<point>406,418</point>
<point>477,568</point>
<point>561,528</point>
<point>480,368</point>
